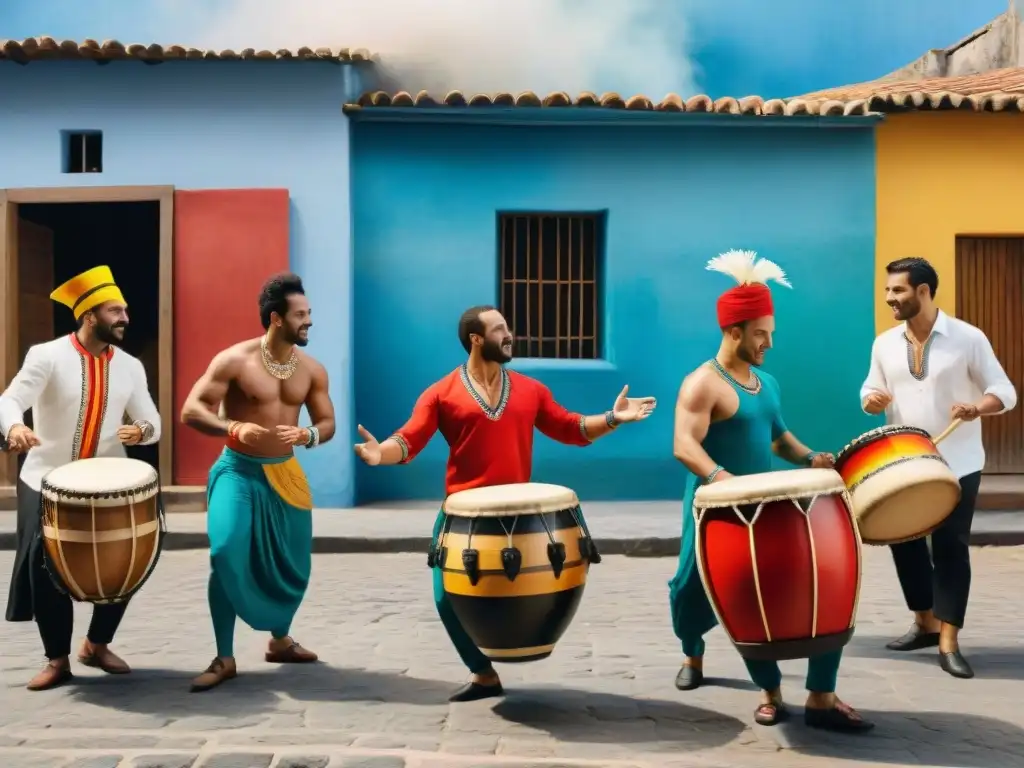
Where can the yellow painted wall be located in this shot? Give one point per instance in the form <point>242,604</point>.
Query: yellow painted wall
<point>939,175</point>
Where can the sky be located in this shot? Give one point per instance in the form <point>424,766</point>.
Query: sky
<point>773,48</point>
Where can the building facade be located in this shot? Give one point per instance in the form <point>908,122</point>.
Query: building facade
<point>591,228</point>
<point>589,222</point>
<point>194,180</point>
<point>950,153</point>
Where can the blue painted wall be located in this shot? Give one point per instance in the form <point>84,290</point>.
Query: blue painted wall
<point>214,125</point>
<point>676,195</point>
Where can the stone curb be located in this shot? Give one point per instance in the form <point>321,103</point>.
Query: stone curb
<point>650,546</point>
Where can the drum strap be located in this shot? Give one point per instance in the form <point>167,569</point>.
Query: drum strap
<point>436,556</point>
<point>471,557</point>
<point>588,548</point>
<point>556,550</point>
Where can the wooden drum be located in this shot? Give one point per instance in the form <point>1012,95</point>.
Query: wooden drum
<point>900,487</point>
<point>514,560</point>
<point>102,527</point>
<point>780,558</point>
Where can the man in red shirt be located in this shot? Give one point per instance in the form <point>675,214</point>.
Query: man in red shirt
<point>487,415</point>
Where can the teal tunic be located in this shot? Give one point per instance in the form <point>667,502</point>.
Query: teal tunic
<point>471,656</point>
<point>260,548</point>
<point>742,445</point>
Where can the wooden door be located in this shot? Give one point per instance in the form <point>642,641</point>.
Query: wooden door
<point>32,272</point>
<point>990,295</point>
<point>227,242</point>
<point>35,283</point>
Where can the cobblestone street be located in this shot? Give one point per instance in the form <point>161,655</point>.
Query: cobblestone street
<point>606,697</point>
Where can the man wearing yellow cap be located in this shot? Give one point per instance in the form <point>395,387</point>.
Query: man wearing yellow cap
<point>79,387</point>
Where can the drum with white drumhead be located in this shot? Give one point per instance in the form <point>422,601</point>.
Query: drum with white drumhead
<point>514,560</point>
<point>102,527</point>
<point>780,557</point>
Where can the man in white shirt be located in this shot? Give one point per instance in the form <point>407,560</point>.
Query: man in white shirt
<point>78,387</point>
<point>925,373</point>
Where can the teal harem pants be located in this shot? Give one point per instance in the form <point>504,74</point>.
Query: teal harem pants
<point>693,617</point>
<point>260,525</point>
<point>471,656</point>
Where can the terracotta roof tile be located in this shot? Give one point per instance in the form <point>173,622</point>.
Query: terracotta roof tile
<point>47,48</point>
<point>999,90</point>
<point>749,105</point>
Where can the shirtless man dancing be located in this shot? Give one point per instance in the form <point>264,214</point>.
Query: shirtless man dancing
<point>259,505</point>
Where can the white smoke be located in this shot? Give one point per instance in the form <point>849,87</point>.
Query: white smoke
<point>475,46</point>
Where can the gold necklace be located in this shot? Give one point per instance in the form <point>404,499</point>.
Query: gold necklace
<point>278,370</point>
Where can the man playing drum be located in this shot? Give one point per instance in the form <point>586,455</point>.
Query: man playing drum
<point>259,516</point>
<point>79,388</point>
<point>930,369</point>
<point>487,415</point>
<point>729,422</point>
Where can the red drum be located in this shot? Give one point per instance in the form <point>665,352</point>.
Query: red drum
<point>780,557</point>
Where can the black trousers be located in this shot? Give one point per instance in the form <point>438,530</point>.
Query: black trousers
<point>941,581</point>
<point>34,595</point>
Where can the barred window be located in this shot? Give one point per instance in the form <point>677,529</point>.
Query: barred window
<point>550,282</point>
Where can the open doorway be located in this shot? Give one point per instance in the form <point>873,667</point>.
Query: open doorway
<point>57,241</point>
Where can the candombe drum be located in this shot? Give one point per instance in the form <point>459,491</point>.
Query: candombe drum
<point>780,558</point>
<point>514,560</point>
<point>102,526</point>
<point>900,487</point>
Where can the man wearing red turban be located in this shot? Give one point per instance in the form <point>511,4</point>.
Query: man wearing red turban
<point>729,422</point>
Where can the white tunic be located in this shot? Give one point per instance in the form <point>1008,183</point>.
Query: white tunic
<point>959,367</point>
<point>78,402</point>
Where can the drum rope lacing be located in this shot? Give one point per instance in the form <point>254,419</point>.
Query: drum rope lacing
<point>50,512</point>
<point>439,549</point>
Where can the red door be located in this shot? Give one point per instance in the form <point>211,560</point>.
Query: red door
<point>227,242</point>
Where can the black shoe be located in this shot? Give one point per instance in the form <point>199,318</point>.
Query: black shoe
<point>955,664</point>
<point>915,639</point>
<point>689,678</point>
<point>476,691</point>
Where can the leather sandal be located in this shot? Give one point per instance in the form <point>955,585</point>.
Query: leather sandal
<point>103,659</point>
<point>842,718</point>
<point>50,676</point>
<point>218,672</point>
<point>292,653</point>
<point>772,713</point>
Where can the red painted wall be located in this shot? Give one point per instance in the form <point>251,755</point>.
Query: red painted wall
<point>227,242</point>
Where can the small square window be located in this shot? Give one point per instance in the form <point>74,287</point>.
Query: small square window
<point>82,151</point>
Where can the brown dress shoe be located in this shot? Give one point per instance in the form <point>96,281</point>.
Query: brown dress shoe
<point>287,651</point>
<point>215,674</point>
<point>55,673</point>
<point>101,657</point>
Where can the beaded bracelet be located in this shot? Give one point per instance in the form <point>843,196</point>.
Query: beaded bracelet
<point>314,437</point>
<point>610,420</point>
<point>714,473</point>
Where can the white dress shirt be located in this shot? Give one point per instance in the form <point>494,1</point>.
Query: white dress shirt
<point>959,367</point>
<point>58,380</point>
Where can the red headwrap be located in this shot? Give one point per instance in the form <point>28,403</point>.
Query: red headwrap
<point>744,302</point>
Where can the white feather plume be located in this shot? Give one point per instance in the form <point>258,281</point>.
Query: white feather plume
<point>745,268</point>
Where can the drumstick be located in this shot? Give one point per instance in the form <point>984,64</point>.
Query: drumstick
<point>948,431</point>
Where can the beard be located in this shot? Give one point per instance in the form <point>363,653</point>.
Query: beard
<point>907,310</point>
<point>296,337</point>
<point>749,356</point>
<point>108,334</point>
<point>492,352</point>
